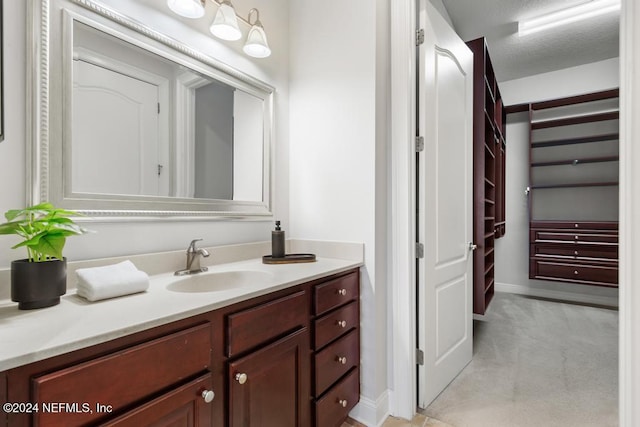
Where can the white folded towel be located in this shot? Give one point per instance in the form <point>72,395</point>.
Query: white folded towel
<point>111,281</point>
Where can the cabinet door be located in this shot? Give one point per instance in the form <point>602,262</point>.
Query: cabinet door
<point>270,387</point>
<point>183,407</point>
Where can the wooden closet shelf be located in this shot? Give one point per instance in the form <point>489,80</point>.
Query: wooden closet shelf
<point>581,140</point>
<point>582,184</point>
<point>577,161</point>
<point>587,118</point>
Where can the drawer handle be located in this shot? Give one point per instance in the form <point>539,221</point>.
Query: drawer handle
<point>343,402</point>
<point>575,271</point>
<point>241,378</point>
<point>342,292</point>
<point>208,395</point>
<point>342,323</point>
<point>341,359</point>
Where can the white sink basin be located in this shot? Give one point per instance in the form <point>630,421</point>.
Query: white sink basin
<point>219,281</point>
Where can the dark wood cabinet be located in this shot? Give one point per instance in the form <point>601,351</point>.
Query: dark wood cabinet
<point>573,189</point>
<point>584,252</point>
<point>336,360</point>
<point>489,160</point>
<point>270,386</point>
<point>255,362</point>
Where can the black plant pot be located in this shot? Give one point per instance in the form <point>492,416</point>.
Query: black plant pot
<point>38,284</point>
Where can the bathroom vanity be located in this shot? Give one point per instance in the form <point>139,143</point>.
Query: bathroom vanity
<point>289,356</point>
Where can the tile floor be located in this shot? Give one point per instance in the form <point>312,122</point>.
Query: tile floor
<point>418,421</point>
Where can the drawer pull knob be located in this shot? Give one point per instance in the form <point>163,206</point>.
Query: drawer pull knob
<point>342,292</point>
<point>575,252</point>
<point>342,323</point>
<point>576,225</point>
<point>208,395</point>
<point>241,378</point>
<point>343,402</point>
<point>341,359</point>
<point>575,237</point>
<point>575,271</point>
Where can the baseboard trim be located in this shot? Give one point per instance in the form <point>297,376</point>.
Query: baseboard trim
<point>558,295</point>
<point>371,412</point>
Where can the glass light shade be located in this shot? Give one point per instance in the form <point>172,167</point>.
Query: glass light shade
<point>225,23</point>
<point>187,8</point>
<point>256,44</point>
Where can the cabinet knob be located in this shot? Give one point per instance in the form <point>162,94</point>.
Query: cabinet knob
<point>342,292</point>
<point>241,378</point>
<point>341,359</point>
<point>576,225</point>
<point>342,402</point>
<point>575,252</point>
<point>208,395</point>
<point>342,323</point>
<point>575,271</point>
<point>575,237</point>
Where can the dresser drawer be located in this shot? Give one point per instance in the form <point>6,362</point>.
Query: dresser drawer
<point>124,377</point>
<point>335,324</point>
<point>570,250</point>
<point>251,327</point>
<point>546,236</point>
<point>335,293</point>
<point>336,360</point>
<point>580,273</point>
<point>334,406</point>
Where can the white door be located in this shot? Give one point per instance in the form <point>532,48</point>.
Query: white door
<point>444,182</point>
<point>115,133</point>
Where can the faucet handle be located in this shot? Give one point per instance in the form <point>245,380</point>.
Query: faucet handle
<point>192,245</point>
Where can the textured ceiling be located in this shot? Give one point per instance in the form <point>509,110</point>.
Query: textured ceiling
<point>513,57</point>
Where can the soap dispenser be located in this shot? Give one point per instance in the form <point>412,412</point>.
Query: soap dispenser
<point>277,242</point>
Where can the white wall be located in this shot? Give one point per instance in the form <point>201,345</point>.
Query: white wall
<point>512,251</point>
<point>338,122</point>
<point>114,239</point>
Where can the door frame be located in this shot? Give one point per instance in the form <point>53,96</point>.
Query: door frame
<point>402,328</point>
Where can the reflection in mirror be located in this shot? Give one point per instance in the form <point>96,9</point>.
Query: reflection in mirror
<point>143,125</point>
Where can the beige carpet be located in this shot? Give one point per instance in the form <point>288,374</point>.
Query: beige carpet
<point>537,363</point>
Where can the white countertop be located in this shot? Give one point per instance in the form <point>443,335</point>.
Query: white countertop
<point>30,335</point>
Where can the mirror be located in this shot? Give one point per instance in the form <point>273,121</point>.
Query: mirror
<point>141,125</point>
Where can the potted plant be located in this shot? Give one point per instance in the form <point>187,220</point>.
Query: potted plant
<point>39,280</point>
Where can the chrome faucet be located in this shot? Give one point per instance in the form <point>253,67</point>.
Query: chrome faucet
<point>193,259</point>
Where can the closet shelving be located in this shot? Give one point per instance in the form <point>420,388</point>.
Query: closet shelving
<point>489,153</point>
<point>573,191</point>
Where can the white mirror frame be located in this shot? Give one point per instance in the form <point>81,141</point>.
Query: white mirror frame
<point>47,121</point>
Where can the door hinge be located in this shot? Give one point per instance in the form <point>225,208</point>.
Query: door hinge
<point>419,37</point>
<point>160,169</point>
<point>419,357</point>
<point>158,108</point>
<point>419,144</point>
<point>419,250</point>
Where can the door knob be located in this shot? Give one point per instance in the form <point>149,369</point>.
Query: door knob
<point>472,247</point>
<point>241,378</point>
<point>208,395</point>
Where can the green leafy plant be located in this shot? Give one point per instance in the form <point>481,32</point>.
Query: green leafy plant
<point>44,229</point>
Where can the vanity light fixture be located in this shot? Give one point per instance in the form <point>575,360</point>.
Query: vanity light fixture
<point>187,8</point>
<point>225,24</point>
<point>256,44</point>
<point>566,16</point>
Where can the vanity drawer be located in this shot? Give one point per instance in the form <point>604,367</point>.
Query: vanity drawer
<point>249,328</point>
<point>335,324</point>
<point>124,377</point>
<point>334,406</point>
<point>336,360</point>
<point>606,275</point>
<point>335,293</point>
